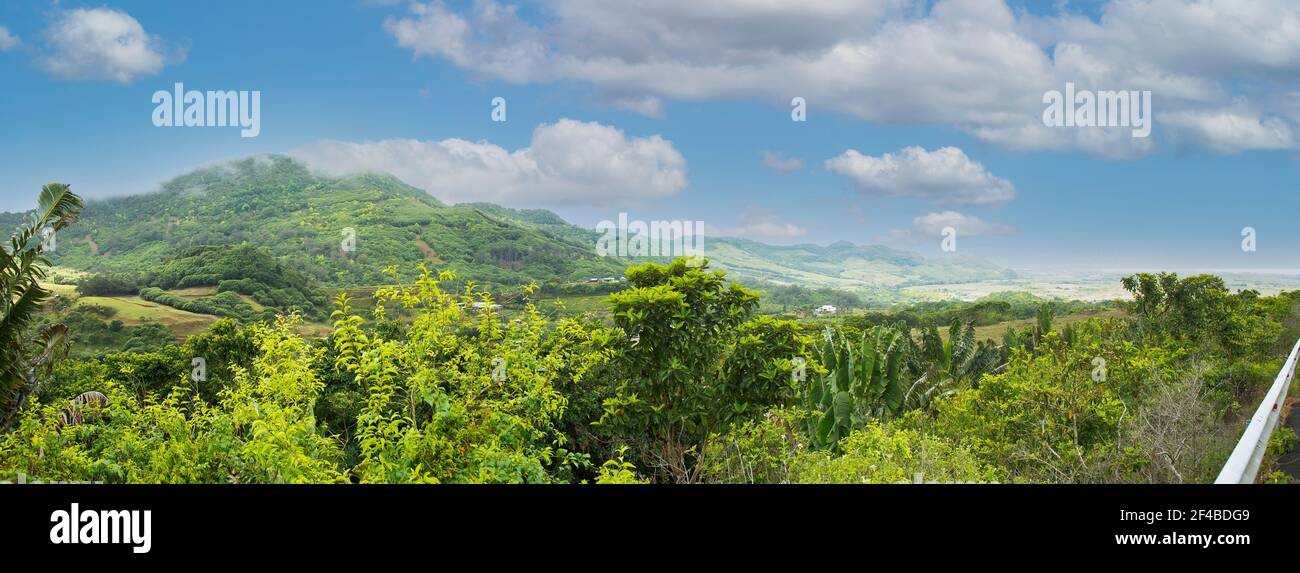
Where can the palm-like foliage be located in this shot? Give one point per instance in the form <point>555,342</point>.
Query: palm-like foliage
<point>22,265</point>
<point>946,366</point>
<point>863,381</point>
<point>888,373</point>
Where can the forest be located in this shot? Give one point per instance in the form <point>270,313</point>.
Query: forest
<point>680,380</point>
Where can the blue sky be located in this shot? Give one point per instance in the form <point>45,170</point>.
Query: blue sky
<point>672,105</point>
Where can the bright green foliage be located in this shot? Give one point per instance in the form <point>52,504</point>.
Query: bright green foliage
<point>1045,416</point>
<point>887,453</point>
<point>261,431</point>
<point>1279,477</point>
<point>460,396</point>
<point>618,470</point>
<point>223,346</point>
<point>774,450</point>
<point>887,373</point>
<point>1195,309</point>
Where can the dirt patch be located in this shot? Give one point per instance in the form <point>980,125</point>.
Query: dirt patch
<point>428,251</point>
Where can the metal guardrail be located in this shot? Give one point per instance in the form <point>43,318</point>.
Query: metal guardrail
<point>1244,462</point>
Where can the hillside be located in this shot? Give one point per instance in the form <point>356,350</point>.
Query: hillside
<point>301,219</point>
<point>270,211</point>
<point>873,272</point>
<point>846,266</point>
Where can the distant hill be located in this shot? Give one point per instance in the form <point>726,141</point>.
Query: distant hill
<point>873,272</point>
<point>843,265</point>
<point>275,205</point>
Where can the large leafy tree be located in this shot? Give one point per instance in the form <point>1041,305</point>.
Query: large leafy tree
<point>1195,308</point>
<point>22,266</point>
<point>696,360</point>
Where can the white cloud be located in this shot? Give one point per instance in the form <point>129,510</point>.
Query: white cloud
<point>101,44</point>
<point>780,162</point>
<point>1228,132</point>
<point>8,41</point>
<point>976,65</point>
<point>945,176</point>
<point>758,223</point>
<point>649,106</point>
<point>567,162</point>
<point>496,44</point>
<point>932,226</point>
<point>1191,38</point>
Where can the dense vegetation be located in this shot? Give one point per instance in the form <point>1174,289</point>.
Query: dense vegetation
<point>242,269</point>
<point>798,298</point>
<point>681,380</point>
<point>991,309</point>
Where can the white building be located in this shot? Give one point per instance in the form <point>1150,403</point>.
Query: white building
<point>825,309</point>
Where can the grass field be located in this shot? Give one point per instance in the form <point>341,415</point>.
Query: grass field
<point>134,311</point>
<point>995,331</point>
<point>194,292</point>
<point>61,290</point>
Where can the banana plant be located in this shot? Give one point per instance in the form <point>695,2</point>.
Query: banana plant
<point>862,382</point>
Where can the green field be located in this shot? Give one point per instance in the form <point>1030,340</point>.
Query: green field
<point>995,331</point>
<point>135,311</point>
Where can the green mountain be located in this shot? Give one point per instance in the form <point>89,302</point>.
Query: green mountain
<point>268,228</point>
<point>340,232</point>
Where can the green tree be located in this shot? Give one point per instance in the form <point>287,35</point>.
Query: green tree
<point>1193,309</point>
<point>695,361</point>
